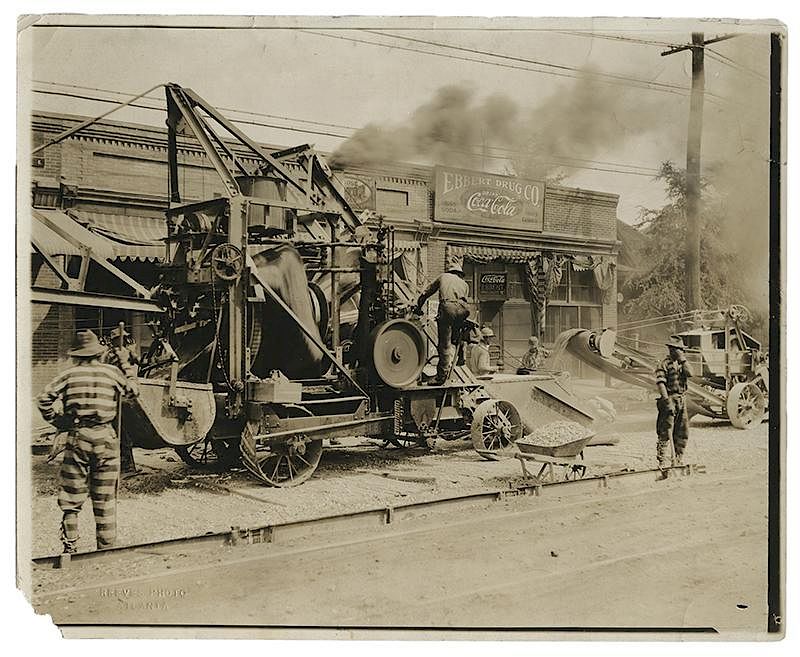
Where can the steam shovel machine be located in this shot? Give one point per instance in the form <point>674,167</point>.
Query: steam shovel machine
<point>284,321</point>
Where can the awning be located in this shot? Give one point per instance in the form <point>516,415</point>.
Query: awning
<point>488,253</point>
<point>49,226</point>
<point>47,232</point>
<point>134,237</point>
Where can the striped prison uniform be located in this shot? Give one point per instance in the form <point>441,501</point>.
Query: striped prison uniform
<point>88,393</point>
<point>674,375</point>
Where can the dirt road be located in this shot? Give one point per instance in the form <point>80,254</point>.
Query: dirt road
<point>684,553</point>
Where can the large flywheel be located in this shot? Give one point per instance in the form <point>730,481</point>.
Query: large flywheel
<point>397,348</point>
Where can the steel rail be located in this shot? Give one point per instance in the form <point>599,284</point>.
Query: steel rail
<point>296,548</point>
<point>353,520</point>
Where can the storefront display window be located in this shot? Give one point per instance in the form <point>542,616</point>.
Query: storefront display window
<point>575,303</point>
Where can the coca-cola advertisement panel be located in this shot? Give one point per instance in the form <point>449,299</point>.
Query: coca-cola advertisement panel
<point>487,199</point>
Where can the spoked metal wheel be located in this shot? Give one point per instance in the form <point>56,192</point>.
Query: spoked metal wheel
<point>208,454</point>
<point>496,426</point>
<point>291,463</point>
<point>746,405</point>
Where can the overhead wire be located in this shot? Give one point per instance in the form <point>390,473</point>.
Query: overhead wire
<point>681,91</point>
<point>735,65</point>
<point>634,169</point>
<point>641,84</point>
<point>564,67</point>
<point>615,37</point>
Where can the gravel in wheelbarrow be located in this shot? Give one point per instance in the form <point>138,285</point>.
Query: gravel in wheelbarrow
<point>556,439</point>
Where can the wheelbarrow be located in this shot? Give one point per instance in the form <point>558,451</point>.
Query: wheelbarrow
<point>567,456</point>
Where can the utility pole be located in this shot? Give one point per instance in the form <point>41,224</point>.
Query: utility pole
<point>694,298</point>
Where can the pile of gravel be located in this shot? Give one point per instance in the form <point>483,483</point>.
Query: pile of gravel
<point>555,434</point>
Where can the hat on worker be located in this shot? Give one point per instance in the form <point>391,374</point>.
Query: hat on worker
<point>533,341</point>
<point>454,263</point>
<point>675,342</point>
<point>86,345</point>
<point>487,332</point>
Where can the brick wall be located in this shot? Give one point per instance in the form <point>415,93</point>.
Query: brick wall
<point>580,213</point>
<point>51,333</point>
<point>436,257</point>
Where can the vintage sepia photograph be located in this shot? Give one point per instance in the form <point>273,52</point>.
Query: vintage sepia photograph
<point>401,327</point>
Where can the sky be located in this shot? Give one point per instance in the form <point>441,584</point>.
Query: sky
<point>601,102</point>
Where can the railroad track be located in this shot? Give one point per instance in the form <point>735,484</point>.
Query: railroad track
<point>355,521</point>
<point>473,567</point>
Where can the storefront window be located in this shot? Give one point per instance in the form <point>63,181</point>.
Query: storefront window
<point>574,304</point>
<point>517,322</point>
<point>582,287</point>
<point>561,318</point>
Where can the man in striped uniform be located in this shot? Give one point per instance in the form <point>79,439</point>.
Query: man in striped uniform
<point>672,423</point>
<point>87,393</point>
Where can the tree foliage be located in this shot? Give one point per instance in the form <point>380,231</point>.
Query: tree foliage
<point>660,290</point>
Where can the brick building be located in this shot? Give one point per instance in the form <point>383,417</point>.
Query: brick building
<point>538,258</point>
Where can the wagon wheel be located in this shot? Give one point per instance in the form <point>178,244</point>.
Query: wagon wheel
<point>292,462</point>
<point>496,425</point>
<point>745,405</point>
<point>208,454</point>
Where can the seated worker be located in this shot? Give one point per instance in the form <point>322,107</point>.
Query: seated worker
<point>479,360</point>
<point>534,358</point>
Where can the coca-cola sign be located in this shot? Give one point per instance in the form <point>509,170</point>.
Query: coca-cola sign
<point>488,199</point>
<point>360,192</point>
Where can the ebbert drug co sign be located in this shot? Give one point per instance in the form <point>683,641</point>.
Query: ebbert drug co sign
<point>487,199</point>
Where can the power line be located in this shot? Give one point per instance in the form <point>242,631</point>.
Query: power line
<point>224,109</point>
<point>529,61</point>
<point>639,168</point>
<point>644,84</point>
<point>735,65</point>
<point>317,132</point>
<point>161,109</point>
<point>615,37</point>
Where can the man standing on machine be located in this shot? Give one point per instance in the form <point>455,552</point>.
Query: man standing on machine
<point>453,312</point>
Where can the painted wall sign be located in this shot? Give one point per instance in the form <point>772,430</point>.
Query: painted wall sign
<point>360,192</point>
<point>488,199</point>
<point>493,285</point>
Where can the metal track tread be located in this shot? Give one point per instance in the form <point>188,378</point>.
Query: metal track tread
<point>352,520</point>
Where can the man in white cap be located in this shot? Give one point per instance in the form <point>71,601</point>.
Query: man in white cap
<point>82,401</point>
<point>479,358</point>
<point>453,312</point>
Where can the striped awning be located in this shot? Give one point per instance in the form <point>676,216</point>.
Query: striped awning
<point>49,227</point>
<point>489,253</point>
<point>134,237</point>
